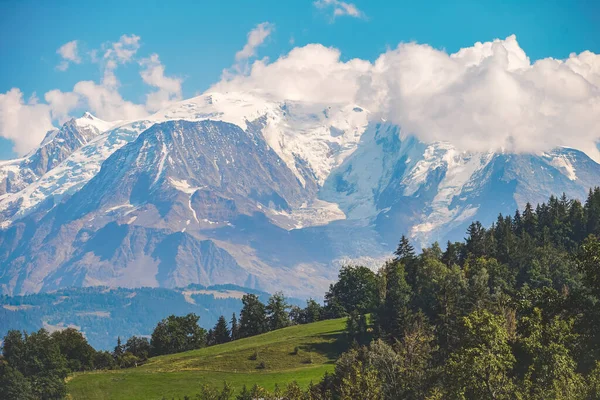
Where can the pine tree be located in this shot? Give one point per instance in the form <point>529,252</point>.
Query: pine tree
<point>394,310</point>
<point>253,317</point>
<point>235,328</point>
<point>118,351</point>
<point>221,332</point>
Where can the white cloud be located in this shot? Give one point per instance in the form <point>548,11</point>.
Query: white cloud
<point>340,8</point>
<point>313,73</point>
<point>256,37</point>
<point>61,103</point>
<point>69,53</point>
<point>23,122</point>
<point>123,50</point>
<point>169,89</point>
<point>26,122</point>
<point>107,103</point>
<point>485,97</point>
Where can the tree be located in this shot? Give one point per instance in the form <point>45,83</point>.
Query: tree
<point>356,378</point>
<point>589,262</point>
<point>221,331</point>
<point>104,360</point>
<point>312,312</point>
<point>277,315</point>
<point>138,346</point>
<point>405,253</point>
<point>475,241</point>
<point>235,328</point>
<point>75,348</point>
<point>481,368</point>
<point>176,334</point>
<point>552,372</point>
<point>253,317</point>
<point>118,351</point>
<point>13,385</point>
<point>37,357</point>
<point>355,290</point>
<point>392,314</point>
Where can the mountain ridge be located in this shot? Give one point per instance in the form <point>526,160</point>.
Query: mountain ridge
<point>270,190</point>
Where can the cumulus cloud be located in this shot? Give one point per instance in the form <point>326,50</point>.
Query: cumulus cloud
<point>485,97</point>
<point>23,122</point>
<point>153,74</point>
<point>69,53</point>
<point>313,73</point>
<point>26,122</point>
<point>339,8</point>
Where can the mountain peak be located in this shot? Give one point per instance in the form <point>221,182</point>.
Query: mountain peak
<point>89,120</point>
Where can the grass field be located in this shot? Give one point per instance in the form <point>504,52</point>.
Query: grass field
<point>238,363</point>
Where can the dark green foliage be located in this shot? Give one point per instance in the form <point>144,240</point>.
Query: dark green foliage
<point>77,351</point>
<point>36,358</point>
<point>253,317</point>
<point>221,331</point>
<point>104,360</point>
<point>176,334</point>
<point>13,385</point>
<point>356,289</point>
<point>138,346</point>
<point>277,314</point>
<point>235,328</point>
<point>394,308</point>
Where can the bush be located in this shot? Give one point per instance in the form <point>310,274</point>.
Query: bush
<point>254,356</point>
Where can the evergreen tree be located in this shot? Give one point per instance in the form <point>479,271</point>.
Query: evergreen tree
<point>253,317</point>
<point>118,351</point>
<point>235,328</point>
<point>221,331</point>
<point>394,310</point>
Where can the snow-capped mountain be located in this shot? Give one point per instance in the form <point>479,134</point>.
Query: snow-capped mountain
<point>239,188</point>
<point>58,144</point>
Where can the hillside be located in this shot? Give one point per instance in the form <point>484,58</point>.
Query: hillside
<point>182,374</point>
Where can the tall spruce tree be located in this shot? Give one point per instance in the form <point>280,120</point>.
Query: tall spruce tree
<point>253,317</point>
<point>221,331</point>
<point>235,328</point>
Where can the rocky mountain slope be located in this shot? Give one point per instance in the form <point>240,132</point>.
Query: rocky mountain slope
<point>237,188</point>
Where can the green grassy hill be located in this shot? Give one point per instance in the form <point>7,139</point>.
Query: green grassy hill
<point>177,375</point>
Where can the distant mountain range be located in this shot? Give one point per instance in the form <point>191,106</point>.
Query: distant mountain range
<point>234,188</point>
<point>104,314</point>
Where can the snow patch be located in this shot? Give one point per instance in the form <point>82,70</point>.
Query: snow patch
<point>563,163</point>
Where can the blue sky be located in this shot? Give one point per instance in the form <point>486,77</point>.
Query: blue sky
<point>196,40</point>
